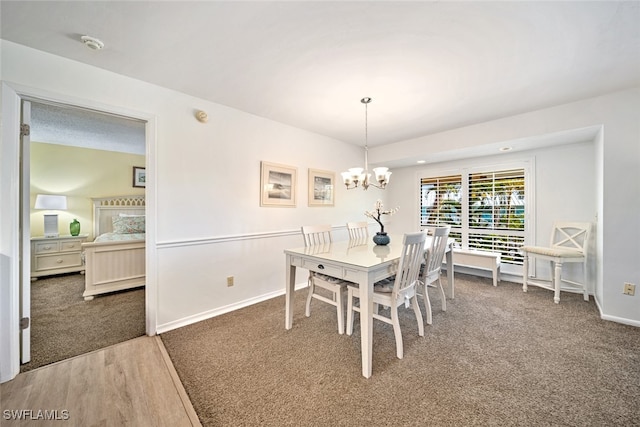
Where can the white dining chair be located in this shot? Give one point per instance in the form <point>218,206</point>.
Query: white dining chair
<point>358,230</point>
<point>402,290</point>
<point>318,236</point>
<point>569,244</point>
<point>432,267</point>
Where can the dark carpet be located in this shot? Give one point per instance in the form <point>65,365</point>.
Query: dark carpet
<point>64,325</point>
<point>497,357</point>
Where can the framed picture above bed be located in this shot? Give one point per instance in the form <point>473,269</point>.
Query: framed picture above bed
<point>139,177</point>
<point>321,188</point>
<point>278,185</point>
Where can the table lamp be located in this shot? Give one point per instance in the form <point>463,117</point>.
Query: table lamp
<point>51,202</point>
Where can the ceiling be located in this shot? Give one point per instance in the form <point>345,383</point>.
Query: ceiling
<point>429,66</point>
<point>65,125</point>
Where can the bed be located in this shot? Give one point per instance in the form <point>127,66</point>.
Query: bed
<point>115,260</point>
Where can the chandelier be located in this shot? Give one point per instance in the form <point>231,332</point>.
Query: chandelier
<point>361,176</point>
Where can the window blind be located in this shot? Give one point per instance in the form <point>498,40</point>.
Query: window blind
<point>441,199</point>
<point>496,200</point>
<point>491,216</point>
<point>496,212</point>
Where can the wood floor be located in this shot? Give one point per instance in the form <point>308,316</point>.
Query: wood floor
<point>132,383</point>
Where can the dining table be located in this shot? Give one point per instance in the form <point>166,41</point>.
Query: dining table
<point>360,261</point>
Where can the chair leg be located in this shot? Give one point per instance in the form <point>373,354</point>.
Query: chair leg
<point>584,282</point>
<point>418,313</point>
<point>556,282</point>
<point>444,297</point>
<point>525,271</point>
<point>395,321</point>
<point>427,305</point>
<point>307,310</point>
<point>349,312</point>
<point>340,309</point>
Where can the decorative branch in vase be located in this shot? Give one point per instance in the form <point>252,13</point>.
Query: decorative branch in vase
<point>381,237</point>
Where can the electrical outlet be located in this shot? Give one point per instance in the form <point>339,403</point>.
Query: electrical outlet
<point>230,281</point>
<point>629,289</point>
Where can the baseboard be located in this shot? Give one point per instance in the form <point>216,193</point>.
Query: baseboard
<point>166,327</point>
<point>622,320</point>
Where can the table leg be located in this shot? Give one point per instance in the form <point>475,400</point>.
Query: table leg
<point>366,325</point>
<point>449,256</point>
<point>289,290</point>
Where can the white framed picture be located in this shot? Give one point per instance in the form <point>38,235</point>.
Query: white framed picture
<point>278,185</point>
<point>321,188</point>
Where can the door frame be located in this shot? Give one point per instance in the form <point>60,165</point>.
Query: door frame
<point>25,232</point>
<point>11,183</point>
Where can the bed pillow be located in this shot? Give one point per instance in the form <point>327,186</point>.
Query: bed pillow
<point>128,224</point>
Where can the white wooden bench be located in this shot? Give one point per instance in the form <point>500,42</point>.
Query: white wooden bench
<point>483,260</point>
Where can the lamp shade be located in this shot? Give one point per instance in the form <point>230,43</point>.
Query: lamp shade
<point>51,202</point>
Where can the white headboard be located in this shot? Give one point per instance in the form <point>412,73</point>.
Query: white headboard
<point>105,208</point>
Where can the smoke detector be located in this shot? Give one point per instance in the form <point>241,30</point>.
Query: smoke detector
<point>92,42</point>
<point>202,116</point>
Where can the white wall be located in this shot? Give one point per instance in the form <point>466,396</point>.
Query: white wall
<point>207,215</point>
<point>570,164</point>
<point>9,241</point>
<point>616,172</point>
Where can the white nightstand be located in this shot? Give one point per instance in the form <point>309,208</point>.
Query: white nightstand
<point>55,255</point>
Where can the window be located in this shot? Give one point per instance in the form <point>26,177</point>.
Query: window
<point>496,213</point>
<point>490,217</point>
<point>441,203</point>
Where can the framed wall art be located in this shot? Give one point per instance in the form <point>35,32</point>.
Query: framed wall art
<point>321,187</point>
<point>139,177</point>
<point>277,185</point>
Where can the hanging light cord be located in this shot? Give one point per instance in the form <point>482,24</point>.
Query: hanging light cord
<point>366,102</point>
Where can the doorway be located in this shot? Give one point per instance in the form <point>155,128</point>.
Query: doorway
<point>80,154</point>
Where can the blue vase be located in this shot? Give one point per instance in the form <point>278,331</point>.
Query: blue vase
<point>381,239</point>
